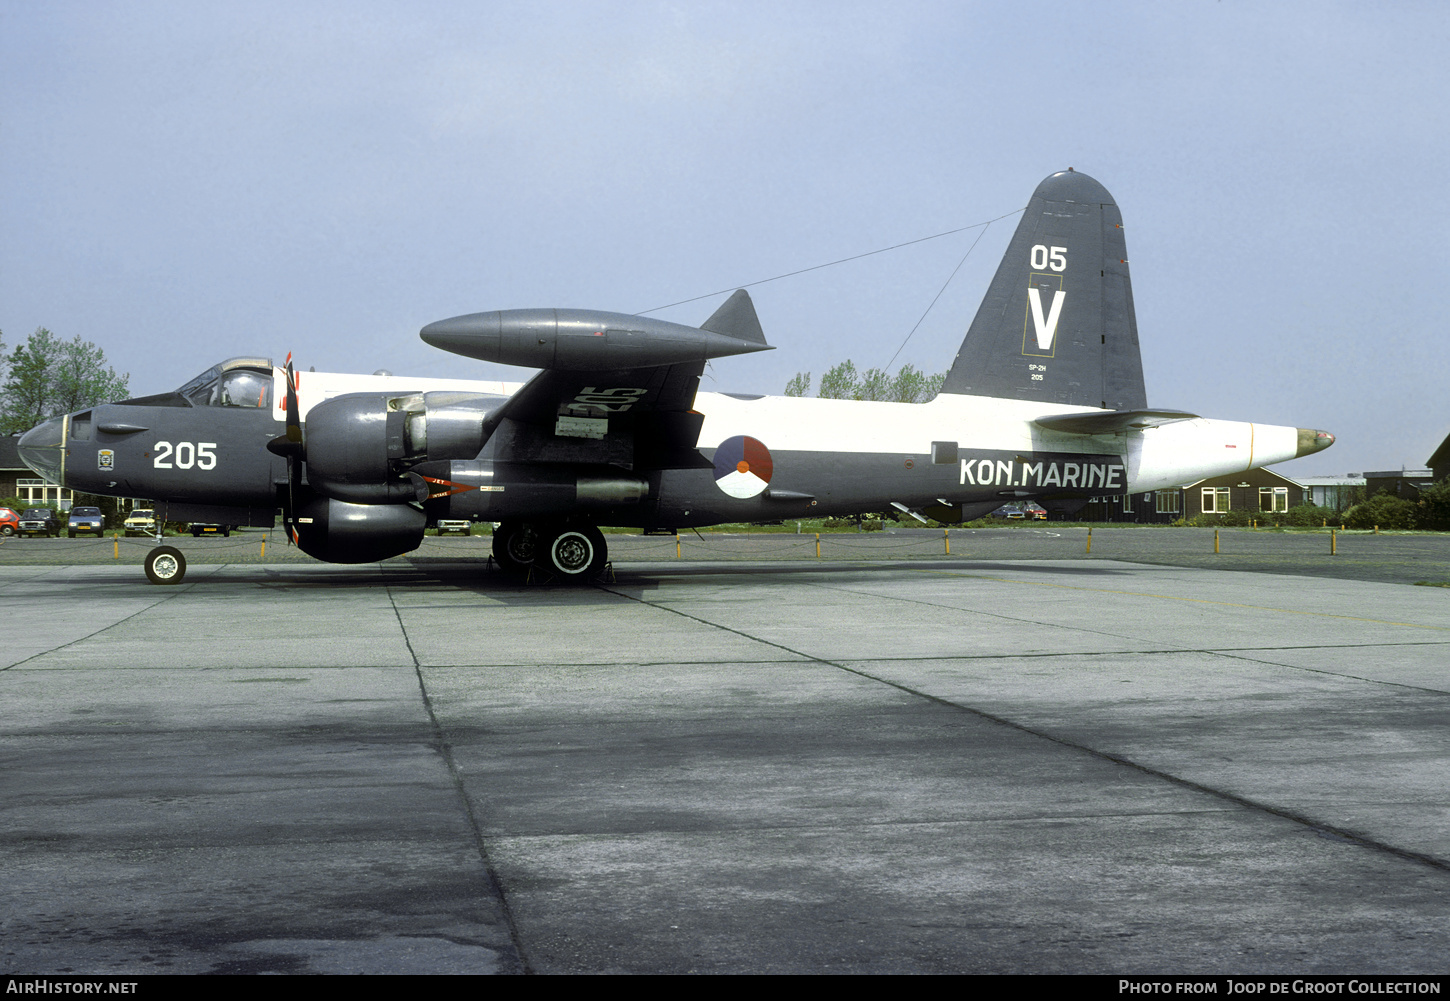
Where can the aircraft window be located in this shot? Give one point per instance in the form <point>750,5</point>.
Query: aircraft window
<point>198,391</point>
<point>245,389</point>
<point>200,396</point>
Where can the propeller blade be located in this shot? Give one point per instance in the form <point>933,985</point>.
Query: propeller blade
<point>294,420</point>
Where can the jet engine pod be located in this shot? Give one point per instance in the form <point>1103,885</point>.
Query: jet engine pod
<point>339,532</point>
<point>483,490</point>
<point>580,340</point>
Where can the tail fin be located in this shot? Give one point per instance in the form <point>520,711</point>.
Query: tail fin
<point>1049,329</point>
<point>736,318</point>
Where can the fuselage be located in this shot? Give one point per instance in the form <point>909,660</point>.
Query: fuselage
<point>764,457</point>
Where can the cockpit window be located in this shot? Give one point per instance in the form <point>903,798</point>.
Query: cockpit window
<point>245,389</point>
<point>199,390</point>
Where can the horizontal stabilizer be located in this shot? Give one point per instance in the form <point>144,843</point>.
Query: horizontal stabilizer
<point>736,318</point>
<point>1111,422</point>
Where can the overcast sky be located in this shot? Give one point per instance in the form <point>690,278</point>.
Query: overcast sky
<point>187,182</point>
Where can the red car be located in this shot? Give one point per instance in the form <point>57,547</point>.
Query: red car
<point>9,521</point>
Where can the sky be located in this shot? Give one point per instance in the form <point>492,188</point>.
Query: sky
<point>184,183</point>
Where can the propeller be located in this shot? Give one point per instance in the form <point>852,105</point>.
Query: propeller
<point>292,447</point>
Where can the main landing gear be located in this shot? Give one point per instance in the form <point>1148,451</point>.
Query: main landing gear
<point>572,552</point>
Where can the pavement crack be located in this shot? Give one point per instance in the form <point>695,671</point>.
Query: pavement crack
<point>445,749</point>
<point>1316,826</point>
<point>176,592</point>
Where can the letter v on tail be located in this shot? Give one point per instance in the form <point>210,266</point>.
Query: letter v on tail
<point>1046,329</point>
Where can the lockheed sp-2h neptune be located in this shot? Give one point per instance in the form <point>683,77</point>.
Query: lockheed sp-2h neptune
<point>1045,400</point>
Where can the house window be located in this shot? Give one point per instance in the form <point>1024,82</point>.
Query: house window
<point>1273,499</point>
<point>1168,501</point>
<point>1215,500</point>
<point>1127,503</point>
<point>39,493</point>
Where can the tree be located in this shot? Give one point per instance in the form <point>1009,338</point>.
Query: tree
<point>1434,506</point>
<point>839,383</point>
<point>49,376</point>
<point>845,382</point>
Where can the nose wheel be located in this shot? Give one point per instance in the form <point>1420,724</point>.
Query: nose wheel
<point>165,565</point>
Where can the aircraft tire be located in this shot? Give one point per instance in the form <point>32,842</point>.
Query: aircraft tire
<point>165,565</point>
<point>515,544</point>
<point>575,553</point>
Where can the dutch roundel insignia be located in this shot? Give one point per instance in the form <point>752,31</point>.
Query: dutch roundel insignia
<point>742,467</point>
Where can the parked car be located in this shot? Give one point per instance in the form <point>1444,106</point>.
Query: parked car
<point>39,521</point>
<point>1007,511</point>
<point>86,519</point>
<point>141,521</point>
<point>9,521</point>
<point>446,526</point>
<point>1034,511</point>
<point>200,528</point>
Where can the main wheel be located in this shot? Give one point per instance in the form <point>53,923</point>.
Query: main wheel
<point>7,530</point>
<point>574,552</point>
<point>165,565</point>
<point>515,543</point>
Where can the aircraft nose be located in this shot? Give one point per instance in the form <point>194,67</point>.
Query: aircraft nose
<point>1312,441</point>
<point>40,448</point>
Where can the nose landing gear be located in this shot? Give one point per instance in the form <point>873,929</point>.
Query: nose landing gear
<point>165,565</point>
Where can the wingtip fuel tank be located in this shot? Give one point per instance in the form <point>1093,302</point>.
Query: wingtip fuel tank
<point>581,340</point>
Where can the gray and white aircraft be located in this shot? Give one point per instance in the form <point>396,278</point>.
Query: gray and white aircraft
<point>1045,400</point>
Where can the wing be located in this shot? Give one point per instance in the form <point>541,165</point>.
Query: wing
<point>639,418</point>
<point>616,389</point>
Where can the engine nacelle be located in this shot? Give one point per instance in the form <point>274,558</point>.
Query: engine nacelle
<point>361,445</point>
<point>339,532</point>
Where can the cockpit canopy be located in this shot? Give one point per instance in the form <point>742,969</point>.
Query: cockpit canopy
<point>236,382</point>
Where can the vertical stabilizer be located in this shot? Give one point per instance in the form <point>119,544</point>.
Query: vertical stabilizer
<point>1057,323</point>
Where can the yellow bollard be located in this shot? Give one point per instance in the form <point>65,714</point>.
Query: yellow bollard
<point>818,545</point>
<point>1090,540</point>
<point>264,547</point>
<point>116,544</point>
<point>1376,530</point>
<point>677,545</point>
<point>946,541</point>
<point>1215,542</point>
<point>1333,543</point>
